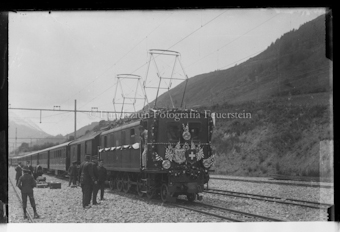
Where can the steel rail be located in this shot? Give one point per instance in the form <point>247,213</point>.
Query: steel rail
<point>207,213</point>
<point>238,212</point>
<point>270,198</point>
<point>30,218</point>
<point>272,182</point>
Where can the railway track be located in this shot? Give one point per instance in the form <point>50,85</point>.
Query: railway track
<point>211,211</point>
<point>288,201</point>
<point>311,184</point>
<point>29,216</point>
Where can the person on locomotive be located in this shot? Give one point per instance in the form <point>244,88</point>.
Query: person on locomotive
<point>18,173</point>
<point>144,140</point>
<point>26,184</point>
<point>73,174</point>
<point>95,185</point>
<point>102,174</point>
<point>87,180</point>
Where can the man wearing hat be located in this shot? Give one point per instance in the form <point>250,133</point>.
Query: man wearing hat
<point>26,184</point>
<point>87,180</point>
<point>73,174</point>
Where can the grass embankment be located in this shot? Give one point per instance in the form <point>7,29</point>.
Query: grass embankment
<point>281,137</point>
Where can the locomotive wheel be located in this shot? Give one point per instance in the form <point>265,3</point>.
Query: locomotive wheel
<point>126,183</point>
<point>164,192</point>
<point>150,192</point>
<point>119,183</point>
<point>112,183</point>
<point>140,187</point>
<point>191,197</point>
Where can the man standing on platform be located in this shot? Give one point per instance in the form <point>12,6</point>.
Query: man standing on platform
<point>26,184</point>
<point>87,180</point>
<point>102,175</point>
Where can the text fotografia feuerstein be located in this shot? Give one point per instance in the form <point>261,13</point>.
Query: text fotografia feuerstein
<point>177,116</point>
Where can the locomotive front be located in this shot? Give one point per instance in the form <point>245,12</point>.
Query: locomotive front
<point>179,147</point>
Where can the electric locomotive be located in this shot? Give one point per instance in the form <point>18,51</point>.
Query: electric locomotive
<point>178,154</point>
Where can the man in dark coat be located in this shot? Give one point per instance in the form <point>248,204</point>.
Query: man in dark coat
<point>29,167</point>
<point>102,175</point>
<point>26,184</point>
<point>73,174</point>
<point>18,174</point>
<point>87,180</point>
<point>96,185</point>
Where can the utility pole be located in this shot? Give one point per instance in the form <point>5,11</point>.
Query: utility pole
<point>75,119</point>
<point>15,144</point>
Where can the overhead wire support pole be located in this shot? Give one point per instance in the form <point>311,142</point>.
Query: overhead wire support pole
<point>120,78</point>
<point>160,52</point>
<point>75,119</point>
<point>186,82</point>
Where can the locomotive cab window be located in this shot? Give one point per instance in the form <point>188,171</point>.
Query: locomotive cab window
<point>173,131</point>
<point>195,130</point>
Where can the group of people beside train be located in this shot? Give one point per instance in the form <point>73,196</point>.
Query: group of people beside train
<point>92,176</point>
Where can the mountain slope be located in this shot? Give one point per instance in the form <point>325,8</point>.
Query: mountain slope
<point>287,90</point>
<point>294,64</point>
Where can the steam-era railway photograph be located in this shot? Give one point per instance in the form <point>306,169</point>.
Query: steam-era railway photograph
<point>171,116</point>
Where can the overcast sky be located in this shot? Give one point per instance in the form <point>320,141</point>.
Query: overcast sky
<point>62,56</point>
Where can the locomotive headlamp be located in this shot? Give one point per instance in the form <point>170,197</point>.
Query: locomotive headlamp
<point>166,164</point>
<point>206,163</point>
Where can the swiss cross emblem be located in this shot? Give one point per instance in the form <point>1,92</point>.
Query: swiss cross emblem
<point>191,156</point>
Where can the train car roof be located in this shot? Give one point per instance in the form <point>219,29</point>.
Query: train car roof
<point>132,124</point>
<point>58,146</point>
<point>86,137</point>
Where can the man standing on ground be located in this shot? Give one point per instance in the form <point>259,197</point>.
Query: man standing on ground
<point>73,174</point>
<point>87,180</point>
<point>26,184</point>
<point>102,174</point>
<point>95,185</point>
<point>18,173</point>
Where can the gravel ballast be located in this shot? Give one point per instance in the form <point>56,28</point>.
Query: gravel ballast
<point>64,205</point>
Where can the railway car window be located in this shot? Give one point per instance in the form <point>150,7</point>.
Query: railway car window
<point>132,132</point>
<point>85,147</point>
<point>195,129</point>
<point>173,131</point>
<point>105,141</point>
<point>112,138</point>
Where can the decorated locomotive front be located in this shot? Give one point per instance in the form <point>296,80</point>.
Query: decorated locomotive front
<point>179,145</point>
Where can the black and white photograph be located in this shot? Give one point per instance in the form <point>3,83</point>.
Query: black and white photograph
<point>206,118</point>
